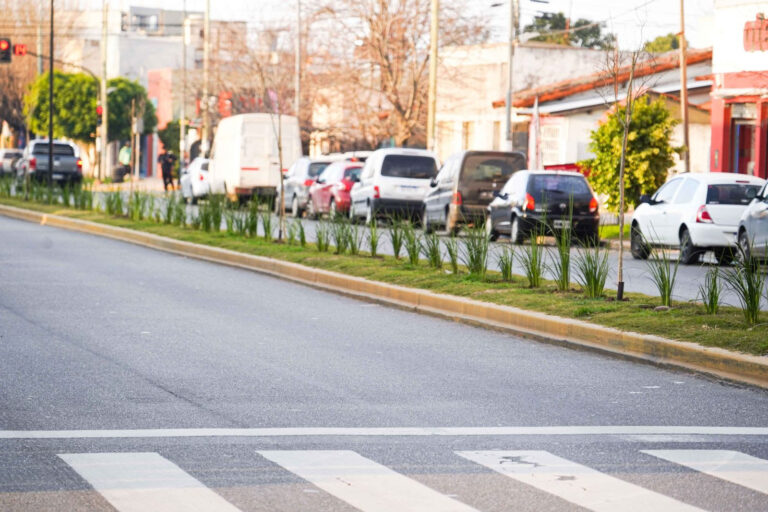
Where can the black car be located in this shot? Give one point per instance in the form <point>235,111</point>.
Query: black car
<point>546,200</point>
<point>465,185</point>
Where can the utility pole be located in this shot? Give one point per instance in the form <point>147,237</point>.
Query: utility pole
<point>50,109</point>
<point>206,56</point>
<point>514,15</point>
<point>104,140</point>
<point>39,46</point>
<point>297,70</point>
<point>432,101</point>
<point>684,90</point>
<point>183,97</point>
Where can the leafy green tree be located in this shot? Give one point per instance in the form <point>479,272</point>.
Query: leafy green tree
<point>590,37</point>
<point>74,107</point>
<point>75,99</point>
<point>649,152</point>
<point>169,136</point>
<point>122,92</point>
<point>662,44</point>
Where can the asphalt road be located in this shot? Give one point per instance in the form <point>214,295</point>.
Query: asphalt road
<point>305,395</point>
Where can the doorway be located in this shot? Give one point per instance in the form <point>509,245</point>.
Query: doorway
<point>743,146</point>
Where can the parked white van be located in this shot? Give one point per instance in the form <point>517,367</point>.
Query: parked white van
<point>394,181</point>
<point>244,160</point>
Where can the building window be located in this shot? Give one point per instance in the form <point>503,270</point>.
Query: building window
<point>467,134</point>
<point>497,135</point>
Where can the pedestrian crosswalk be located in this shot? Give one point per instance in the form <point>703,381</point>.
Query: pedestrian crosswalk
<point>141,481</point>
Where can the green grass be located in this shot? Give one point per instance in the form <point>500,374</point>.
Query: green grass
<point>685,321</point>
<point>611,232</point>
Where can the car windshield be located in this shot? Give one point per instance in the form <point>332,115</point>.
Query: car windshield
<point>58,149</point>
<point>731,193</point>
<point>491,168</point>
<point>352,173</point>
<point>315,168</point>
<point>409,166</point>
<point>557,185</point>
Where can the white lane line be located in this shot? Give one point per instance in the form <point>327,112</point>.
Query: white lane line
<point>736,467</point>
<point>362,483</point>
<point>385,431</point>
<point>140,482</point>
<point>573,482</point>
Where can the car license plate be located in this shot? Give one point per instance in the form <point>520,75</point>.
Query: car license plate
<point>562,224</point>
<point>57,176</point>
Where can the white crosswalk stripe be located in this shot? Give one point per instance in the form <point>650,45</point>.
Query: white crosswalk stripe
<point>141,482</point>
<point>574,482</point>
<point>362,483</point>
<point>736,467</point>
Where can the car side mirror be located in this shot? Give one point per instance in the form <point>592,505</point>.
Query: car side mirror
<point>433,182</point>
<point>502,195</point>
<point>645,198</point>
<point>751,193</point>
<point>320,181</point>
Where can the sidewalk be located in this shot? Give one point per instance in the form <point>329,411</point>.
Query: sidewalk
<point>153,184</point>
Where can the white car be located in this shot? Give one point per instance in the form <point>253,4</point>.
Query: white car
<point>394,181</point>
<point>753,228</point>
<point>194,180</point>
<point>695,213</point>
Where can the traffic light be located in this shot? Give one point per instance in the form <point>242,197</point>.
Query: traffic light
<point>5,49</point>
<point>99,111</point>
<point>20,50</point>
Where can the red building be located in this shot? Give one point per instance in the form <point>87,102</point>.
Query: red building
<point>740,91</point>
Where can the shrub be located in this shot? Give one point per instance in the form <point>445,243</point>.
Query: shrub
<point>266,225</point>
<point>506,261</point>
<point>396,236</point>
<point>452,248</point>
<point>561,261</point>
<point>373,237</point>
<point>475,251</point>
<point>592,270</point>
<point>339,234</point>
<point>532,259</point>
<point>711,290</point>
<point>323,236</point>
<point>412,242</point>
<point>747,282</point>
<point>663,274</point>
<point>300,230</point>
<point>431,248</point>
<point>354,238</point>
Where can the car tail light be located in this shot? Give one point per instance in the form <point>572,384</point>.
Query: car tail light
<point>308,182</point>
<point>702,215</point>
<point>376,192</point>
<point>457,200</point>
<point>530,204</point>
<point>201,177</point>
<point>285,171</point>
<point>32,164</point>
<point>593,205</point>
<point>80,165</point>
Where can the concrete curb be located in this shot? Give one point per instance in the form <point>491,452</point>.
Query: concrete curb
<point>720,363</point>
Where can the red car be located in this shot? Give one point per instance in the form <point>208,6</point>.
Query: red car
<point>330,192</point>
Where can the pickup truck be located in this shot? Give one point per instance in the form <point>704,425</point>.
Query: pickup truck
<point>67,165</point>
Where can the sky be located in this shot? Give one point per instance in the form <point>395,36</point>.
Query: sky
<point>635,21</point>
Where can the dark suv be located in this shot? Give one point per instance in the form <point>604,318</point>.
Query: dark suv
<point>465,185</point>
<point>548,200</point>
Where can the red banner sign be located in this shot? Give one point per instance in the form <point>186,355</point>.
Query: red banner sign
<point>756,34</point>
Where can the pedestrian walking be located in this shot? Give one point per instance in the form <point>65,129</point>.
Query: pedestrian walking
<point>124,158</point>
<point>166,160</point>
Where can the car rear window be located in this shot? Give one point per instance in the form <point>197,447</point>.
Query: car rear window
<point>409,166</point>
<point>352,173</point>
<point>204,167</point>
<point>557,185</point>
<point>491,168</point>
<point>730,193</point>
<point>58,149</point>
<point>315,168</point>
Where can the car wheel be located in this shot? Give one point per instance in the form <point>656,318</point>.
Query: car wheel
<point>515,233</point>
<point>492,234</point>
<point>295,207</point>
<point>689,253</point>
<point>311,213</point>
<point>744,251</point>
<point>428,228</point>
<point>724,255</point>
<point>638,247</point>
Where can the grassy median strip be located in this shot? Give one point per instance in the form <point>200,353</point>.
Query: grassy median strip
<point>684,321</point>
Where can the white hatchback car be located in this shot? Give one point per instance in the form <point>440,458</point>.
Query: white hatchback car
<point>194,180</point>
<point>695,212</point>
<point>394,181</point>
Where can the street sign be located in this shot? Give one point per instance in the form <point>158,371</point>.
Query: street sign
<point>5,49</point>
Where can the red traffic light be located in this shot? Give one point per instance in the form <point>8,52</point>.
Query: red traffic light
<point>99,110</point>
<point>20,50</point>
<point>4,45</point>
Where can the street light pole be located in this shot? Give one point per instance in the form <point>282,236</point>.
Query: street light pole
<point>50,109</point>
<point>104,136</point>
<point>297,68</point>
<point>432,101</point>
<point>513,17</point>
<point>684,90</point>
<point>206,51</point>
<point>183,96</point>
